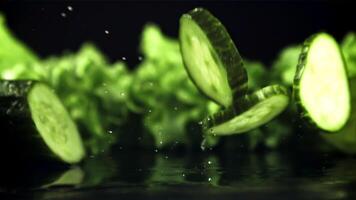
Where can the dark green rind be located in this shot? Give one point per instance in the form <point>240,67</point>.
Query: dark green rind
<point>242,105</point>
<point>13,98</point>
<point>15,88</point>
<point>20,138</point>
<point>225,49</point>
<point>303,113</point>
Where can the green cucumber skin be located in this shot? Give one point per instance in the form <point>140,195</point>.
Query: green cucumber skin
<point>229,55</point>
<point>20,137</point>
<point>241,105</point>
<point>302,61</point>
<point>21,140</point>
<point>15,88</point>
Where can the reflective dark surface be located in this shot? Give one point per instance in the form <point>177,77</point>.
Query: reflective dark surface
<point>138,175</point>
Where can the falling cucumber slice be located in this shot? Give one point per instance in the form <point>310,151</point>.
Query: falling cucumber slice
<point>248,112</point>
<point>211,58</point>
<point>36,122</point>
<point>321,88</point>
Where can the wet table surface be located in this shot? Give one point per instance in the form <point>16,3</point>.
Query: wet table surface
<point>137,175</point>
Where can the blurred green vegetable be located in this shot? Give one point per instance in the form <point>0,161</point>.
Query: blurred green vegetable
<point>285,66</point>
<point>348,47</point>
<point>15,57</point>
<point>163,92</point>
<point>257,75</point>
<point>94,91</point>
<point>99,95</point>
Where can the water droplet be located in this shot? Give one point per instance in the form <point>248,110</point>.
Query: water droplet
<point>122,94</point>
<point>123,58</point>
<point>104,84</point>
<point>200,123</point>
<point>166,157</point>
<point>70,8</point>
<point>107,32</point>
<point>105,91</point>
<point>63,14</point>
<point>139,58</point>
<point>175,108</point>
<point>8,112</point>
<point>183,175</point>
<point>156,150</point>
<point>110,131</point>
<point>209,162</point>
<point>150,111</point>
<point>203,145</point>
<point>209,179</point>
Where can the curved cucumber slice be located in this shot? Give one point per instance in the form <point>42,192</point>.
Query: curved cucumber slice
<point>211,58</point>
<point>34,117</point>
<point>248,112</point>
<point>320,86</point>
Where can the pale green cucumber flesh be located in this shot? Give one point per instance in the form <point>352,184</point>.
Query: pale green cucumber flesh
<point>54,124</point>
<point>211,58</point>
<point>321,84</point>
<point>345,139</point>
<point>203,64</point>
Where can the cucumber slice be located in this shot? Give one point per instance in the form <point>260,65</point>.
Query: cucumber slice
<point>35,120</point>
<point>321,88</point>
<point>345,139</point>
<point>248,112</point>
<point>211,58</point>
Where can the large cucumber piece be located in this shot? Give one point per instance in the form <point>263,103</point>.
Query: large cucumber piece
<point>321,88</point>
<point>345,139</point>
<point>36,124</point>
<point>248,112</point>
<point>211,58</point>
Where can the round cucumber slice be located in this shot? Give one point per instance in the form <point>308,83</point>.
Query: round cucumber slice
<point>248,112</point>
<point>37,122</point>
<point>321,88</point>
<point>211,58</point>
<point>54,124</point>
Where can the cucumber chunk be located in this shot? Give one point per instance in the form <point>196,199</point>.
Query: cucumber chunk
<point>211,58</point>
<point>321,88</point>
<point>248,112</point>
<point>35,120</point>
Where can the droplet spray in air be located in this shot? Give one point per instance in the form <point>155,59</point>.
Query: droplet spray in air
<point>203,144</point>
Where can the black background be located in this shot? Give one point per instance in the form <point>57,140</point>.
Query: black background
<point>259,28</point>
